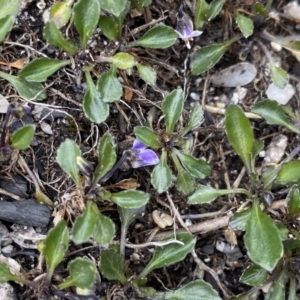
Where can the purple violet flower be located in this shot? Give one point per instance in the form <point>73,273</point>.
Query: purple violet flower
<point>141,156</point>
<point>184,28</point>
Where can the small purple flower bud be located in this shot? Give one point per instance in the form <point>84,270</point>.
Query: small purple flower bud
<point>184,28</point>
<point>141,156</point>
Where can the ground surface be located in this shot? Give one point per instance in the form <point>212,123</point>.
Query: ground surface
<point>65,91</point>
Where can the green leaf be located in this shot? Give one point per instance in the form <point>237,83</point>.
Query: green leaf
<point>105,229</point>
<point>147,137</point>
<point>196,117</point>
<point>106,156</point>
<point>40,69</point>
<point>239,220</point>
<point>130,198</point>
<point>8,7</point>
<point>85,224</point>
<point>239,133</point>
<point>279,76</point>
<point>197,289</point>
<point>260,9</point>
<point>66,158</point>
<point>206,194</point>
<point>200,14</point>
<point>268,176</point>
<point>254,275</point>
<point>93,106</point>
<point>112,265</point>
<point>113,6</point>
<point>206,57</point>
<point>6,275</point>
<point>258,145</point>
<point>109,86</point>
<point>123,60</point>
<point>86,17</point>
<point>158,37</point>
<point>245,24</point>
<point>60,13</point>
<point>277,290</point>
<point>273,113</point>
<point>82,274</point>
<point>185,182</point>
<point>262,239</point>
<point>170,254</point>
<point>109,27</point>
<point>172,107</point>
<point>27,90</point>
<point>55,38</point>
<point>22,137</point>
<point>6,25</point>
<point>147,73</point>
<point>55,246</point>
<point>289,172</point>
<point>161,177</point>
<point>197,168</point>
<point>214,9</point>
<point>294,201</point>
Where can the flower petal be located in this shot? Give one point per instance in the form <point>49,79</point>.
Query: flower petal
<point>145,158</point>
<point>138,146</point>
<point>195,33</point>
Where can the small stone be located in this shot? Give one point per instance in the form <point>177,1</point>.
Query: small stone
<point>282,96</point>
<point>236,75</point>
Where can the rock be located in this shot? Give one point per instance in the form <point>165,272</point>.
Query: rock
<point>282,96</point>
<point>236,75</point>
<point>7,292</point>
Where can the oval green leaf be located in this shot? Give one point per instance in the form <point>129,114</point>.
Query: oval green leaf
<point>112,265</point>
<point>86,17</point>
<point>109,87</point>
<point>170,254</point>
<point>158,37</point>
<point>214,9</point>
<point>262,239</point>
<point>147,73</point>
<point>294,201</point>
<point>130,198</point>
<point>273,113</point>
<point>6,25</point>
<point>239,220</point>
<point>123,60</point>
<point>185,182</point>
<point>147,137</point>
<point>22,137</point>
<point>93,106</point>
<point>161,177</point>
<point>172,107</point>
<point>55,246</point>
<point>66,158</point>
<point>279,76</point>
<point>60,13</point>
<point>40,69</point>
<point>82,274</point>
<point>106,156</point>
<point>289,172</point>
<point>85,224</point>
<point>197,168</point>
<point>55,38</point>
<point>197,289</point>
<point>109,27</point>
<point>201,13</point>
<point>206,57</point>
<point>8,7</point>
<point>254,275</point>
<point>27,90</point>
<point>7,275</point>
<point>245,24</point>
<point>239,133</point>
<point>113,6</point>
<point>105,230</point>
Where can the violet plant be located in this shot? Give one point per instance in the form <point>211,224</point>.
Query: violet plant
<point>174,142</point>
<point>268,244</point>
